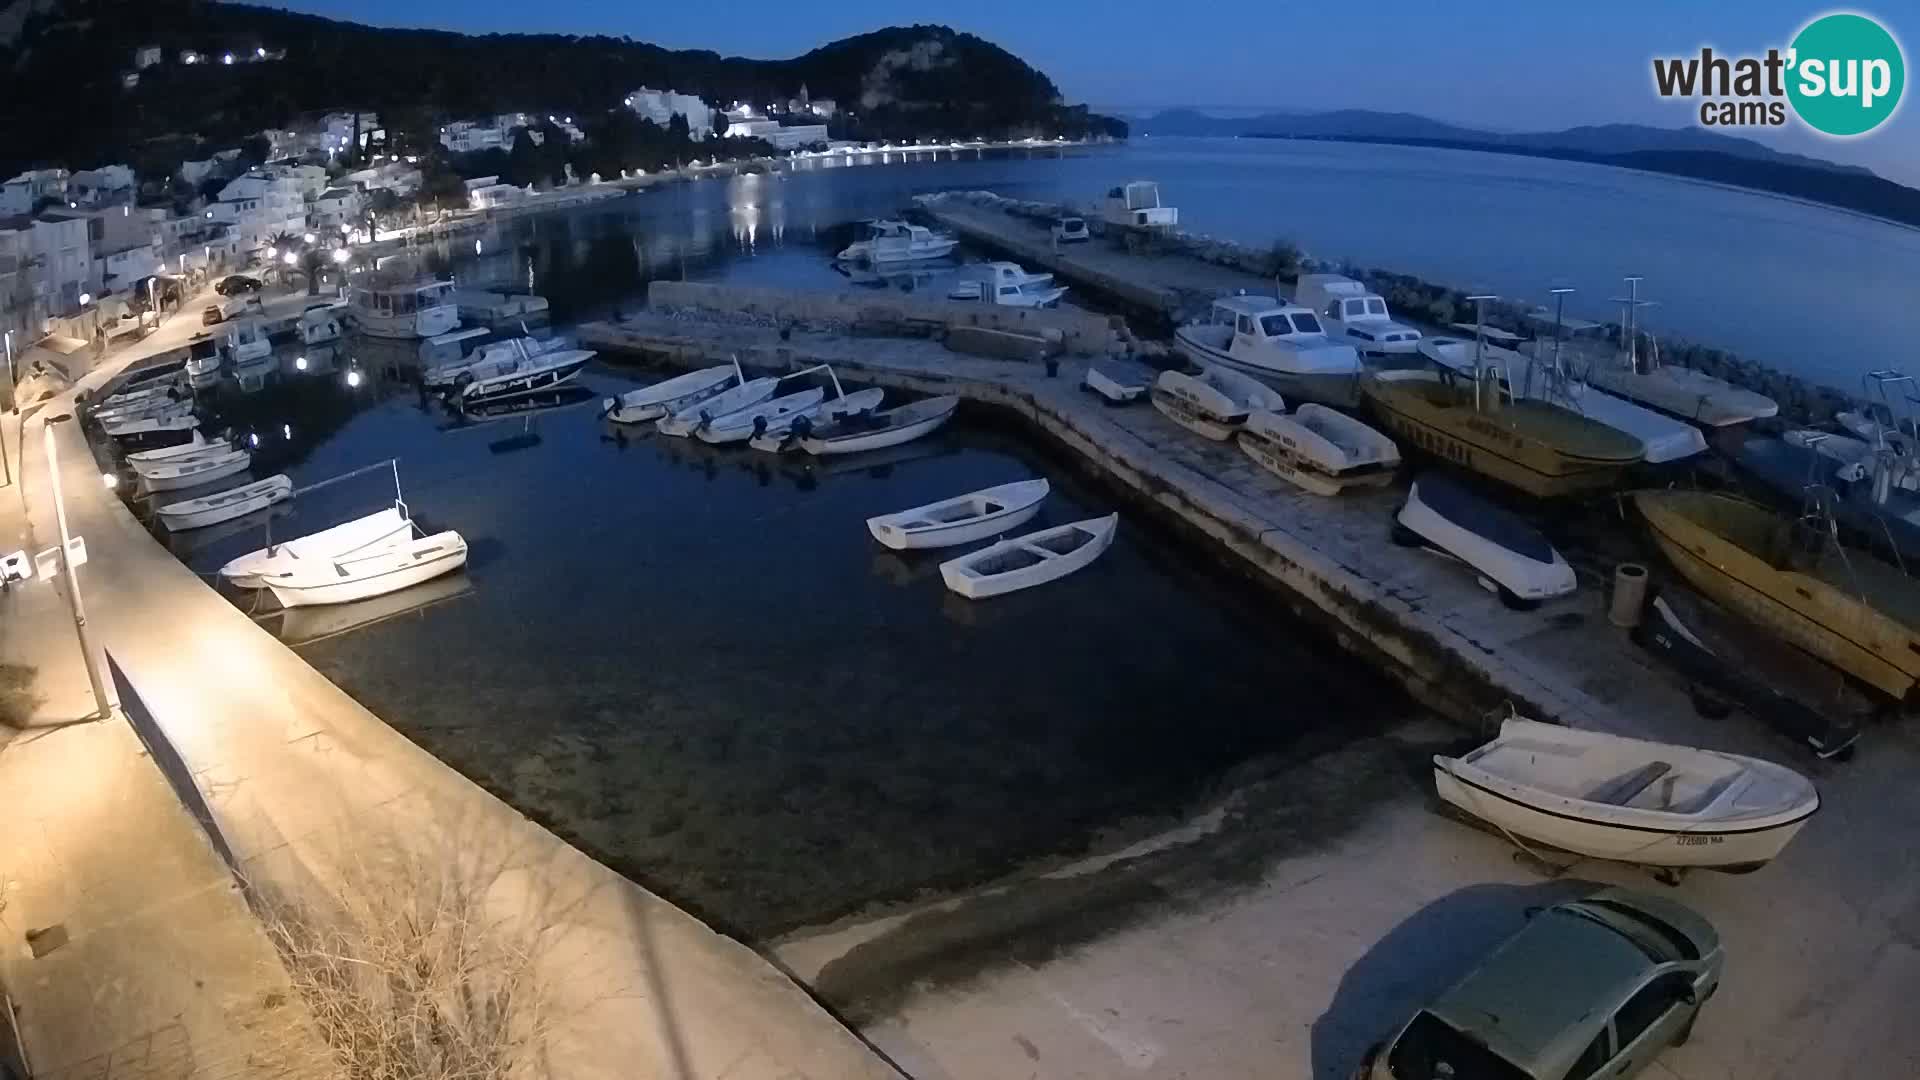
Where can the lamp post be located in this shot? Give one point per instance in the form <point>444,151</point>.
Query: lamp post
<point>73,579</point>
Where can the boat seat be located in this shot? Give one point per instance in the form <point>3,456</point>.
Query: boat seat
<point>1622,790</point>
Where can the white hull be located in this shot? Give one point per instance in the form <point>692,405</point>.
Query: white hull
<point>1683,392</point>
<point>1214,403</point>
<point>227,505</point>
<point>1629,801</point>
<point>250,571</point>
<point>425,323</point>
<point>772,414</point>
<point>1318,449</point>
<point>683,423</point>
<point>196,445</point>
<point>196,471</point>
<point>371,573</point>
<point>543,371</point>
<point>1022,562</point>
<point>779,436</point>
<point>864,251</point>
<point>902,424</point>
<point>1119,382</point>
<point>961,520</point>
<point>169,466</point>
<point>1530,575</point>
<point>153,425</point>
<point>666,398</point>
<point>146,410</point>
<point>1339,387</point>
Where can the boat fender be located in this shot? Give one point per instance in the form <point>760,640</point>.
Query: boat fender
<point>759,426</point>
<point>802,427</point>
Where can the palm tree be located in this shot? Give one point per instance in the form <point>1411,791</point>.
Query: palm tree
<point>313,261</point>
<point>282,243</point>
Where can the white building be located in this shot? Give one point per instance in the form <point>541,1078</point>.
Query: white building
<point>260,204</point>
<point>661,106</point>
<point>97,187</point>
<point>782,138</point>
<point>63,254</point>
<point>468,136</point>
<point>334,208</point>
<point>147,55</point>
<point>20,194</point>
<point>395,176</point>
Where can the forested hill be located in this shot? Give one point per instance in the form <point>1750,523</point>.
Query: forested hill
<point>69,58</point>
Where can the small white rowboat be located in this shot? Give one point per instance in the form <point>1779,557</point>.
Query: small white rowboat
<point>778,435</point>
<point>1213,403</point>
<point>1321,450</point>
<point>874,431</point>
<point>1022,562</point>
<point>1609,797</point>
<point>693,417</point>
<point>152,425</point>
<point>181,473</point>
<point>961,520</point>
<point>666,398</point>
<point>249,571</point>
<point>225,506</point>
<point>196,445</point>
<point>373,572</point>
<point>739,426</point>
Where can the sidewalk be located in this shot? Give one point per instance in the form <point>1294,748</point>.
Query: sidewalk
<point>164,972</point>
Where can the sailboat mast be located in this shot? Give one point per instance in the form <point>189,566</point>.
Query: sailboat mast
<point>1479,345</point>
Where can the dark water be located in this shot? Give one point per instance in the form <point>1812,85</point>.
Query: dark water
<point>696,663</point>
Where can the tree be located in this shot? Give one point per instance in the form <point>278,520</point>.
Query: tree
<point>282,243</point>
<point>255,148</point>
<point>678,131</point>
<point>314,262</point>
<point>523,160</point>
<point>719,123</point>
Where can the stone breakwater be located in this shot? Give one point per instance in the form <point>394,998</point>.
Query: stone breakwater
<point>1801,403</point>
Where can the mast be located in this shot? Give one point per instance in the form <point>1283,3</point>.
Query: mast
<point>1479,346</point>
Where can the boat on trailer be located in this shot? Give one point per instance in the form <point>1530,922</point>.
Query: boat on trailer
<point>367,573</point>
<point>250,571</point>
<point>1512,558</point>
<point>1213,403</point>
<point>224,506</point>
<point>1323,451</point>
<point>962,519</point>
<point>1628,800</point>
<point>673,395</point>
<point>876,430</point>
<point>1022,562</point>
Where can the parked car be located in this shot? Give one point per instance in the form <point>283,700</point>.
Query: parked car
<point>235,284</point>
<point>211,314</point>
<point>1595,988</point>
<point>1069,230</point>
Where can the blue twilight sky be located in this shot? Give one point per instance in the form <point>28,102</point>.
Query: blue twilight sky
<point>1503,65</point>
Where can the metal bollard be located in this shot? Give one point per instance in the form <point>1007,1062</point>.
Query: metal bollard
<point>1629,595</point>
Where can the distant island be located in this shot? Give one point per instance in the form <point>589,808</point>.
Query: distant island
<point>1687,152</point>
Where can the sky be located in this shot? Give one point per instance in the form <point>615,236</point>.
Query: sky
<point>1498,64</point>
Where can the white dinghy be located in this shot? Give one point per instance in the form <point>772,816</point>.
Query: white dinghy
<point>778,435</point>
<point>746,395</point>
<point>741,425</point>
<point>1648,803</point>
<point>196,445</point>
<point>367,573</point>
<point>225,506</point>
<point>1021,562</point>
<point>180,420</point>
<point>1213,403</point>
<point>182,473</point>
<point>963,519</point>
<point>877,430</point>
<point>164,466</point>
<point>1321,450</point>
<point>675,394</point>
<point>1512,557</point>
<point>250,571</point>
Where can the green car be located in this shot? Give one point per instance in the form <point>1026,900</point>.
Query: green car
<point>1592,988</point>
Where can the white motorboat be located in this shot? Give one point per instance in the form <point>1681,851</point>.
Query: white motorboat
<point>1683,392</point>
<point>188,472</point>
<point>198,445</point>
<point>876,430</point>
<point>225,506</point>
<point>367,573</point>
<point>897,241</point>
<point>1511,557</point>
<point>1662,438</point>
<point>1021,562</point>
<point>1844,449</point>
<point>749,393</point>
<point>521,373</point>
<point>1627,800</point>
<point>244,341</point>
<point>1136,204</point>
<point>742,424</point>
<point>250,571</point>
<point>403,304</point>
<point>1007,284</point>
<point>778,436</point>
<point>128,398</point>
<point>1319,449</point>
<point>666,398</point>
<point>1352,313</point>
<point>203,363</point>
<point>492,356</point>
<point>1282,345</point>
<point>1213,403</point>
<point>963,519</point>
<point>1119,381</point>
<point>152,425</point>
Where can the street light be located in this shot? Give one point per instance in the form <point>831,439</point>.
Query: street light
<point>341,255</point>
<point>73,580</point>
<point>309,238</point>
<point>290,259</point>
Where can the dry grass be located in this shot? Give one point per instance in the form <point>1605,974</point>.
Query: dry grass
<point>17,699</point>
<point>409,977</point>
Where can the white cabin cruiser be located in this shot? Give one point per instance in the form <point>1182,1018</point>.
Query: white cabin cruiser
<point>492,355</point>
<point>403,305</point>
<point>244,342</point>
<point>1007,284</point>
<point>1137,204</point>
<point>521,371</point>
<point>1351,313</point>
<point>1282,345</point>
<point>897,241</point>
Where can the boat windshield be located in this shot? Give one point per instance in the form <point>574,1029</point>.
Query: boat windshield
<point>1376,306</point>
<point>1305,323</point>
<point>1275,325</point>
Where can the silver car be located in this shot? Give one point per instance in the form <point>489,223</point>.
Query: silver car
<point>1595,988</point>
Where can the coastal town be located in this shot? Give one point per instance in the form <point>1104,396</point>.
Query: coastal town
<point>857,567</point>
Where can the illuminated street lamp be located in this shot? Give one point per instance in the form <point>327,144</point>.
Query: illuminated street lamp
<point>309,238</point>
<point>353,379</point>
<point>341,255</point>
<point>227,59</point>
<point>290,259</point>
<point>73,580</point>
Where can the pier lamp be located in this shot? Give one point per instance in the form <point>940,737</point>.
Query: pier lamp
<point>353,379</point>
<point>67,570</point>
<point>110,480</point>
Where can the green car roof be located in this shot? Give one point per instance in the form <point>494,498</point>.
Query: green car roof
<point>1538,1000</point>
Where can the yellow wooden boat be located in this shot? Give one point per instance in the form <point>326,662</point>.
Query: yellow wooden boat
<point>1533,445</point>
<point>1839,604</point>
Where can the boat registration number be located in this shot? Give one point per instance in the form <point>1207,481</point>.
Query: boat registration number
<point>1698,841</point>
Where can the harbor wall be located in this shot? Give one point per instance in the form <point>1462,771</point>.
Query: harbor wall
<point>1078,332</point>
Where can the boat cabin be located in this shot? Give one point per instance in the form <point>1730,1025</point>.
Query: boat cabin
<point>1350,311</point>
<point>1138,204</point>
<point>402,300</point>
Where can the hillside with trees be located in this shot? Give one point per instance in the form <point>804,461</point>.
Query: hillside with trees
<point>70,61</point>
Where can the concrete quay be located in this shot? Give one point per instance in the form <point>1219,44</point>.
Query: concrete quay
<point>327,811</point>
